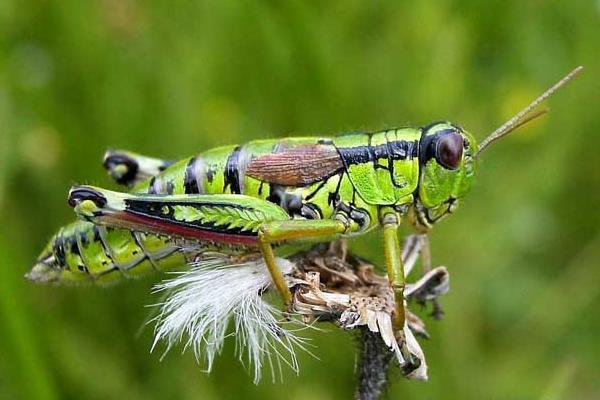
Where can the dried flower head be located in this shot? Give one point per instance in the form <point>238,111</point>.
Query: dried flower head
<point>219,293</point>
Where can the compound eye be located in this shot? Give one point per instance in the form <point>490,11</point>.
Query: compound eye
<point>449,150</point>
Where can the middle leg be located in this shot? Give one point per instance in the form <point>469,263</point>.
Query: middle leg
<point>279,231</point>
<point>390,220</point>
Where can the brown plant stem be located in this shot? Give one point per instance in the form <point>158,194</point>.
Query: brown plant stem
<point>373,365</point>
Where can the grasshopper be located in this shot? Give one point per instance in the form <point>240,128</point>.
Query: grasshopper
<point>255,197</point>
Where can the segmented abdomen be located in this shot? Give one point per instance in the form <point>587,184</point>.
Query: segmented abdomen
<point>81,251</point>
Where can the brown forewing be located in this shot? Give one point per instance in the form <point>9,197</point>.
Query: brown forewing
<point>297,166</point>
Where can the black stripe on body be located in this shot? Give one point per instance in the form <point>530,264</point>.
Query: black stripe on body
<point>58,249</point>
<point>96,233</point>
<point>190,182</point>
<point>399,153</point>
<point>83,239</point>
<point>392,150</point>
<point>195,171</point>
<point>160,185</point>
<point>73,245</point>
<point>235,170</point>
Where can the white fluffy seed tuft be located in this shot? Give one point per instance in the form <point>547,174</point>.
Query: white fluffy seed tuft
<point>202,302</point>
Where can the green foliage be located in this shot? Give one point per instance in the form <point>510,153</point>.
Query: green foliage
<point>169,79</point>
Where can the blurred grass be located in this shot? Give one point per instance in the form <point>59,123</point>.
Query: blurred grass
<point>174,78</point>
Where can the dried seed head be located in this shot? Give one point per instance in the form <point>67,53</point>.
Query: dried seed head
<point>202,303</point>
<point>328,283</point>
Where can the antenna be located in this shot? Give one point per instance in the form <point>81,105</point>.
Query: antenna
<point>522,117</point>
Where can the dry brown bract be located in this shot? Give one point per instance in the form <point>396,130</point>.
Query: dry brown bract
<point>332,285</point>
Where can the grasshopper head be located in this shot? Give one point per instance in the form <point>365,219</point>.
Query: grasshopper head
<point>448,154</point>
<point>447,169</point>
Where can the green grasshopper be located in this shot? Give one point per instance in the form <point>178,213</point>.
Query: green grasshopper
<point>266,193</point>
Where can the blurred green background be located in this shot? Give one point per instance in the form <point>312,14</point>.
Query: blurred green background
<point>173,78</point>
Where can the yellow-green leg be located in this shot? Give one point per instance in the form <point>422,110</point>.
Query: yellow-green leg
<point>393,260</point>
<point>279,231</point>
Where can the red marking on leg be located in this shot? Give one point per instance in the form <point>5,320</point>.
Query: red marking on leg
<point>142,223</point>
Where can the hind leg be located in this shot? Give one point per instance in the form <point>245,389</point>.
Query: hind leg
<point>281,231</point>
<point>233,220</point>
